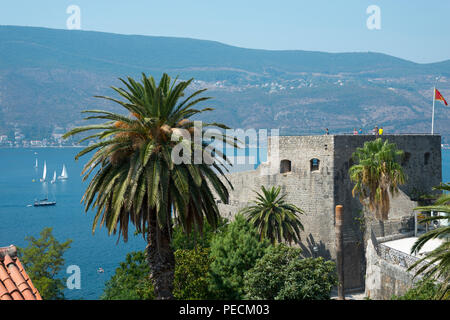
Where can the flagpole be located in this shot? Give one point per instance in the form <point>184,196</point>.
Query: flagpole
<point>432,114</point>
<point>434,99</point>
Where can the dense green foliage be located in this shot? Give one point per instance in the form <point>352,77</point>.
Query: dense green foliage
<point>308,279</point>
<point>235,250</point>
<point>182,240</point>
<point>43,260</point>
<point>282,274</point>
<point>191,274</point>
<point>423,290</point>
<point>438,260</point>
<point>274,218</point>
<point>266,278</point>
<point>130,281</point>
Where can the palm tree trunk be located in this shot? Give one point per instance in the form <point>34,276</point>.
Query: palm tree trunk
<point>161,260</point>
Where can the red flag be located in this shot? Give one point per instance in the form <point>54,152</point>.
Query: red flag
<point>438,96</point>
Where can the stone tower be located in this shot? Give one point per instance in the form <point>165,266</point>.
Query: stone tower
<point>313,172</point>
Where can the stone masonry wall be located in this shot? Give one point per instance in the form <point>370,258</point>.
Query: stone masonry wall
<point>318,192</point>
<point>421,175</point>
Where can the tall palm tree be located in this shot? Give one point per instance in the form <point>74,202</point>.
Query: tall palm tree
<point>275,219</point>
<point>377,173</point>
<point>136,178</point>
<point>437,261</point>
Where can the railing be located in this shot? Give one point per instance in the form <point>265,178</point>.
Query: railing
<point>396,257</point>
<point>400,258</point>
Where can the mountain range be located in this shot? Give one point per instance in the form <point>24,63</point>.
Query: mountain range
<point>47,76</point>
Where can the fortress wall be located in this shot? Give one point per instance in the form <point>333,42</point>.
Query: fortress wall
<point>421,174</point>
<point>318,192</point>
<point>312,191</point>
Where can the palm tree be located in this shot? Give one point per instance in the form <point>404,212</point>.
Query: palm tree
<point>376,174</point>
<point>437,261</point>
<point>136,178</point>
<point>275,219</point>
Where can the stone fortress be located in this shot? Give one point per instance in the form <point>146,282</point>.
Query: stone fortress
<point>313,172</point>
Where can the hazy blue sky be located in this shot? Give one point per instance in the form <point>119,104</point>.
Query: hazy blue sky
<point>416,30</point>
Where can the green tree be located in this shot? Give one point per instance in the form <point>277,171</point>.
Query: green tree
<point>137,177</point>
<point>377,173</point>
<point>43,260</point>
<point>308,279</point>
<point>266,278</point>
<point>235,250</point>
<point>182,240</point>
<point>281,274</point>
<point>191,274</point>
<point>274,218</point>
<point>438,260</point>
<point>130,281</point>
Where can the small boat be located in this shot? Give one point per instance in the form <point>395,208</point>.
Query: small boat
<point>64,175</point>
<point>44,203</point>
<point>54,177</point>
<point>100,270</point>
<point>44,174</point>
<point>36,165</point>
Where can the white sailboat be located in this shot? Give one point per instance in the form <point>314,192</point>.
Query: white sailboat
<point>54,177</point>
<point>64,174</point>
<point>44,175</point>
<point>36,165</point>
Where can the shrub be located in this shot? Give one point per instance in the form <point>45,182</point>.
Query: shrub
<point>130,281</point>
<point>181,240</point>
<point>235,250</point>
<point>191,274</point>
<point>282,274</point>
<point>308,279</point>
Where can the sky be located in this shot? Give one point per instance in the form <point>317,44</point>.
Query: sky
<point>415,30</point>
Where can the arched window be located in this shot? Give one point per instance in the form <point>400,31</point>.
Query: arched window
<point>285,166</point>
<point>426,158</point>
<point>315,164</point>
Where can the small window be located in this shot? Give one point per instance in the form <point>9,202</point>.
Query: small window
<point>426,158</point>
<point>285,166</point>
<point>405,159</point>
<point>315,164</point>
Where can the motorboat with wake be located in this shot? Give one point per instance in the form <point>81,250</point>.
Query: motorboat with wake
<point>43,203</point>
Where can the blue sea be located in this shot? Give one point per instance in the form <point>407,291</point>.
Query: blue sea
<point>68,219</point>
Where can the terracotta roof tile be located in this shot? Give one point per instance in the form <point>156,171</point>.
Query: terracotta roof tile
<point>15,284</point>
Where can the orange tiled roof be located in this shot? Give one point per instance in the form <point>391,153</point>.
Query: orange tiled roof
<point>14,281</point>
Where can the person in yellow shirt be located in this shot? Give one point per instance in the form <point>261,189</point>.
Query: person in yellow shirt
<point>380,131</point>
